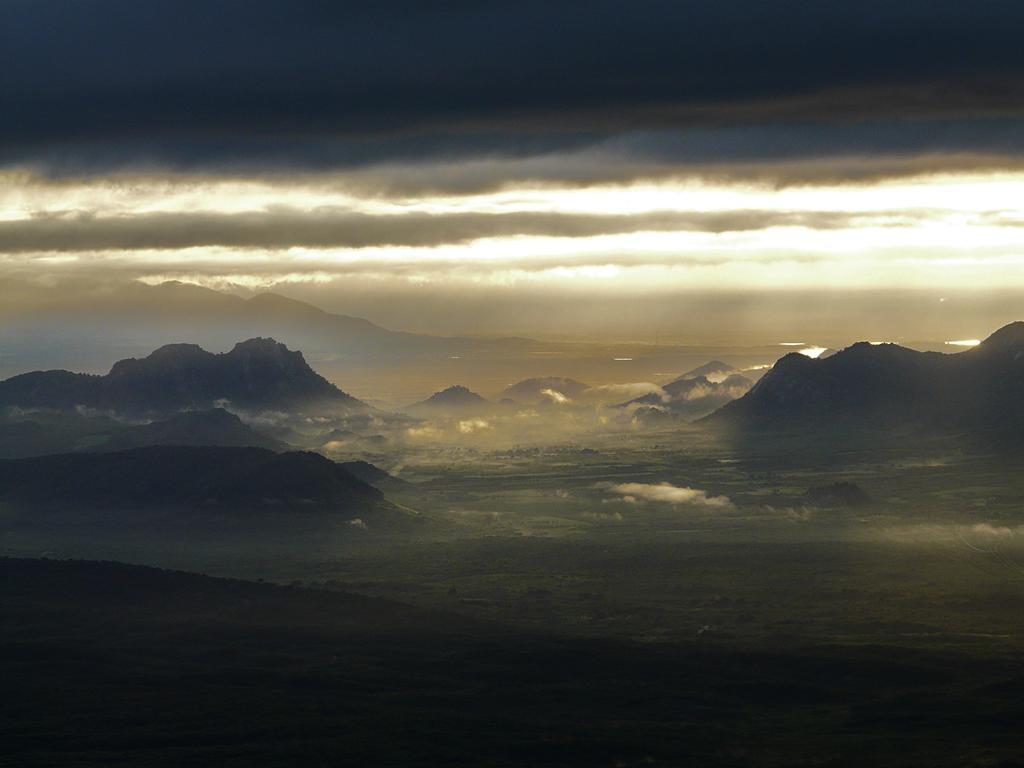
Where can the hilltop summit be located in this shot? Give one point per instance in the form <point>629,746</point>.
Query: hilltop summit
<point>889,388</point>
<point>257,374</point>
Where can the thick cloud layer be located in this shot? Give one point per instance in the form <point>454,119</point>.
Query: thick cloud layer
<point>343,229</point>
<point>556,166</point>
<point>319,83</point>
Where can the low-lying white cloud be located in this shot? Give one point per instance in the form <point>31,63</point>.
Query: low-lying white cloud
<point>667,493</point>
<point>469,426</point>
<point>555,396</point>
<point>987,529</point>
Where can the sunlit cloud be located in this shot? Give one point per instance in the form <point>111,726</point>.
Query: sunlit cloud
<point>939,231</point>
<point>469,426</point>
<point>555,396</point>
<point>667,493</point>
<point>987,529</point>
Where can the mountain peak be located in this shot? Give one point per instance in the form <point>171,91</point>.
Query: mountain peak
<point>532,390</point>
<point>261,346</point>
<point>456,394</point>
<point>455,397</point>
<point>256,374</point>
<point>173,351</point>
<point>887,387</point>
<point>793,361</point>
<point>710,370</point>
<point>167,356</point>
<point>1010,336</point>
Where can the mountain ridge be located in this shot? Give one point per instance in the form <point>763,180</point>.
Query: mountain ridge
<point>453,398</point>
<point>256,374</point>
<point>135,315</point>
<point>888,387</point>
<point>194,478</point>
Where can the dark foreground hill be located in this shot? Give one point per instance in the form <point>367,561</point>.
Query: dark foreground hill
<point>258,374</point>
<point>214,428</point>
<point>106,664</point>
<point>891,389</point>
<point>196,480</point>
<point>41,433</point>
<point>375,476</point>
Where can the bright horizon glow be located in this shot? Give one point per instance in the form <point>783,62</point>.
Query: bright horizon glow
<point>813,352</point>
<point>964,343</point>
<point>955,231</point>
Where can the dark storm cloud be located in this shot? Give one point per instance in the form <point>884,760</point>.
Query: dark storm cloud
<point>330,229</point>
<point>324,83</point>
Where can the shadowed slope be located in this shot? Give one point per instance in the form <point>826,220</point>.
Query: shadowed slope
<point>196,479</point>
<point>892,388</point>
<point>257,374</point>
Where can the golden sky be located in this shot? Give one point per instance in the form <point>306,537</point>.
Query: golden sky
<point>944,231</point>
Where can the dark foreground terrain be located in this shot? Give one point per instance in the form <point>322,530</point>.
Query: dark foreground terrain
<point>106,664</point>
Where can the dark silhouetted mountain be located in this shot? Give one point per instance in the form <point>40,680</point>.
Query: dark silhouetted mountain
<point>841,494</point>
<point>534,390</point>
<point>62,390</point>
<point>889,388</point>
<point>258,374</point>
<point>197,479</point>
<point>453,399</point>
<point>215,427</point>
<point>374,475</point>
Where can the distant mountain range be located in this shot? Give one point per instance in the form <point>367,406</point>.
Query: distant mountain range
<point>892,389</point>
<point>137,316</point>
<point>200,480</point>
<point>258,374</point>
